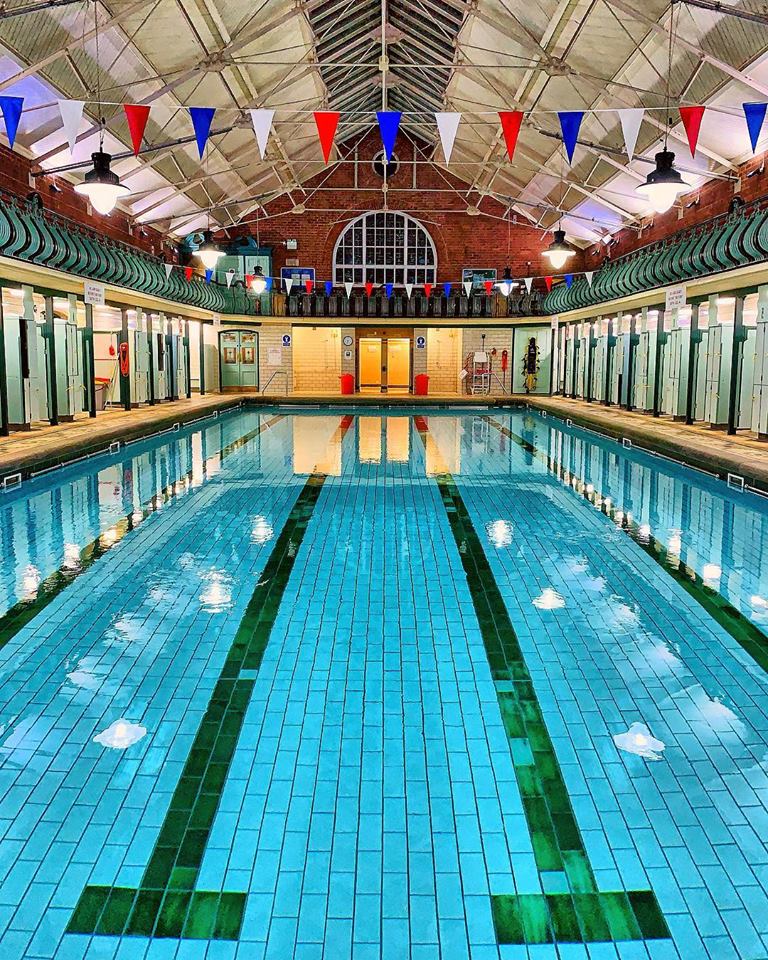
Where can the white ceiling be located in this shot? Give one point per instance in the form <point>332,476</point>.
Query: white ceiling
<point>472,57</point>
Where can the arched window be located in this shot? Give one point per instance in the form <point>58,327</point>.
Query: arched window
<point>384,248</point>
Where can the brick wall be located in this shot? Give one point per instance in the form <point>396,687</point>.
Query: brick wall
<point>460,240</point>
<point>14,178</point>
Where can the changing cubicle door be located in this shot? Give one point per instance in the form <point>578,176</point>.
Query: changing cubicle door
<point>641,399</point>
<point>616,359</point>
<point>140,385</point>
<point>38,372</point>
<point>745,386</point>
<point>181,368</point>
<point>568,367</point>
<point>69,368</point>
<point>713,401</point>
<point>674,379</point>
<point>161,367</point>
<point>600,357</point>
<point>699,374</point>
<point>759,419</point>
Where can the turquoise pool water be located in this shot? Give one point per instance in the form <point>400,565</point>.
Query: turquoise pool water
<point>355,680</point>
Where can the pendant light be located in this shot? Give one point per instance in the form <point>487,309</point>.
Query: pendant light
<point>559,251</point>
<point>663,185</point>
<point>258,283</point>
<point>208,251</point>
<point>101,185</point>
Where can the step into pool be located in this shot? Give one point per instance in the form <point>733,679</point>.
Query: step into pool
<point>383,684</point>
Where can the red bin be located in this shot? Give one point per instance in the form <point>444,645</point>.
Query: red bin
<point>347,383</point>
<point>421,384</point>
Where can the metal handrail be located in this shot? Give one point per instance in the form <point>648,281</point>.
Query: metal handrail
<point>277,373</point>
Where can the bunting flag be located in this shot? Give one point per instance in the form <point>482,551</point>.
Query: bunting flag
<point>269,283</point>
<point>208,276</point>
<point>168,268</point>
<point>309,284</point>
<point>528,283</point>
<point>326,122</point>
<point>630,127</point>
<point>288,284</point>
<point>589,274</point>
<point>691,117</point>
<point>328,288</point>
<point>202,118</point>
<point>11,110</point>
<point>389,124</point>
<point>548,281</point>
<point>488,284</point>
<point>348,287</point>
<point>408,290</point>
<point>230,275</point>
<point>570,124</point>
<point>754,113</point>
<point>188,273</point>
<point>368,287</point>
<point>262,124</point>
<point>388,288</point>
<point>427,290</point>
<point>447,127</point>
<point>71,114</point>
<point>468,287</point>
<point>569,280</point>
<point>137,115</point>
<point>510,126</point>
<point>447,288</point>
<point>248,280</point>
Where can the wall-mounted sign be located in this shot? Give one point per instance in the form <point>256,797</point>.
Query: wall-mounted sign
<point>421,342</point>
<point>94,293</point>
<point>286,339</point>
<point>478,275</point>
<point>299,275</point>
<point>292,244</point>
<point>274,356</point>
<point>675,297</point>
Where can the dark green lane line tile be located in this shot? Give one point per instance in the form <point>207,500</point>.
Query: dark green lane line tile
<point>23,611</point>
<point>166,903</point>
<point>749,637</point>
<point>583,914</point>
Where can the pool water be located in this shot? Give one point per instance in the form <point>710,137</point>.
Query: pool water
<point>346,685</point>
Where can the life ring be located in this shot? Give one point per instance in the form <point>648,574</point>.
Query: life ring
<point>125,366</point>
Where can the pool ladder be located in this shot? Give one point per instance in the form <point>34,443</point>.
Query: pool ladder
<point>277,373</point>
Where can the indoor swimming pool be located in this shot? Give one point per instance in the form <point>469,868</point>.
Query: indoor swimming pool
<point>366,684</point>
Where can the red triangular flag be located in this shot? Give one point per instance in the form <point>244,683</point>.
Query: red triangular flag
<point>488,284</point>
<point>427,290</point>
<point>248,280</point>
<point>548,281</point>
<point>510,125</point>
<point>368,287</point>
<point>137,115</point>
<point>691,117</point>
<point>188,272</point>
<point>309,284</point>
<point>326,121</point>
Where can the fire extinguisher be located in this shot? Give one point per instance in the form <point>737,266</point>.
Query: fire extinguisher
<point>125,366</point>
<point>504,363</point>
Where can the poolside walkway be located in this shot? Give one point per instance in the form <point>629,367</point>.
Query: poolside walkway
<point>697,445</point>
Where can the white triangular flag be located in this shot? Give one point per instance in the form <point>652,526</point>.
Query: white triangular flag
<point>288,284</point>
<point>448,125</point>
<point>528,283</point>
<point>348,287</point>
<point>630,127</point>
<point>408,290</point>
<point>589,274</point>
<point>71,114</point>
<point>262,124</point>
<point>230,276</point>
<point>468,287</point>
<point>168,268</point>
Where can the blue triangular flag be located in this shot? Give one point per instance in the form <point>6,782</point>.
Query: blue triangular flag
<point>388,288</point>
<point>570,122</point>
<point>389,123</point>
<point>447,288</point>
<point>269,283</point>
<point>568,280</point>
<point>208,276</point>
<point>755,115</point>
<point>202,118</point>
<point>328,288</point>
<point>11,108</point>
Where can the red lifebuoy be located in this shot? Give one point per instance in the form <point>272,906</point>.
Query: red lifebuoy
<point>125,366</point>
<point>504,359</point>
